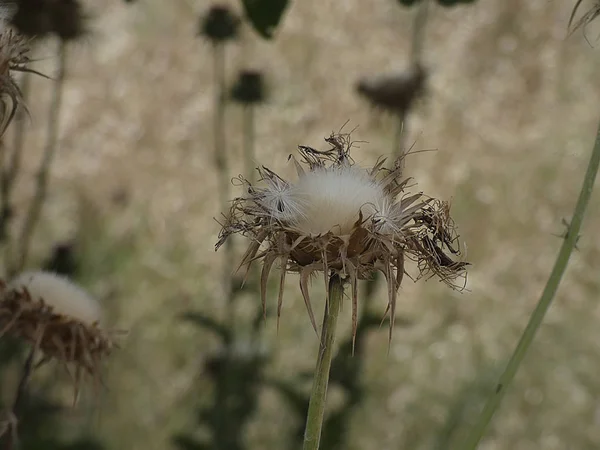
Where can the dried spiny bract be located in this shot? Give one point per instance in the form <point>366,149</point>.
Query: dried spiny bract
<point>337,218</point>
<point>586,19</point>
<point>58,318</point>
<point>219,24</point>
<point>394,92</point>
<point>249,88</point>
<point>13,58</point>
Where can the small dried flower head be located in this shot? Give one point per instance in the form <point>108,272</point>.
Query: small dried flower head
<point>58,318</point>
<point>68,19</point>
<point>249,88</point>
<point>33,18</point>
<point>40,18</point>
<point>338,218</point>
<point>394,92</point>
<point>219,24</point>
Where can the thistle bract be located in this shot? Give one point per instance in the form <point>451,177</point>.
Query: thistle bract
<point>338,218</point>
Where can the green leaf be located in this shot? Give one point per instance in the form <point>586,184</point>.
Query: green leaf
<point>265,15</point>
<point>408,2</point>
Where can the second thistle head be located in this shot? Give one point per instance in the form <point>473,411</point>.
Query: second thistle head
<point>249,88</point>
<point>219,24</point>
<point>338,218</point>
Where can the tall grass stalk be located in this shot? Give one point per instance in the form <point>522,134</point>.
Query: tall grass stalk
<point>318,396</point>
<point>249,133</point>
<point>35,208</point>
<point>416,55</point>
<point>540,310</point>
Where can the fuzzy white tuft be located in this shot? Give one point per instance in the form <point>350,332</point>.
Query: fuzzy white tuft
<point>325,200</point>
<point>65,297</point>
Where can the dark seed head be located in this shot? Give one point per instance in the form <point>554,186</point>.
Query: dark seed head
<point>68,19</point>
<point>219,24</point>
<point>394,92</point>
<point>249,88</point>
<point>39,18</point>
<point>33,18</point>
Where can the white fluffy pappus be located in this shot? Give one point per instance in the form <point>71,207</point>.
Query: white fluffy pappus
<point>330,199</point>
<point>65,297</point>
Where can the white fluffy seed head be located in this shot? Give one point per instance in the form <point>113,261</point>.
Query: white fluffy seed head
<point>65,297</point>
<point>329,200</point>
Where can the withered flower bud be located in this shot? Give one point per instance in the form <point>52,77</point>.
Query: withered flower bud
<point>394,92</point>
<point>219,24</point>
<point>68,19</point>
<point>249,88</point>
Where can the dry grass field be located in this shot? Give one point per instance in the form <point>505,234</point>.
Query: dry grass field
<point>511,113</point>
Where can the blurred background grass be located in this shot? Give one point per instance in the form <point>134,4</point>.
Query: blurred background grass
<point>511,112</point>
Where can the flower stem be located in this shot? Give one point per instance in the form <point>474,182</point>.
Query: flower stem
<point>538,314</point>
<point>318,396</point>
<point>11,440</point>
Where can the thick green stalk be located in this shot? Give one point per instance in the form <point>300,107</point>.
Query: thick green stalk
<point>544,303</point>
<point>318,396</point>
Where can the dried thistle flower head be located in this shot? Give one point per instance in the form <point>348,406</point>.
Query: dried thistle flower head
<point>394,92</point>
<point>219,24</point>
<point>249,88</point>
<point>13,58</point>
<point>338,218</point>
<point>58,318</point>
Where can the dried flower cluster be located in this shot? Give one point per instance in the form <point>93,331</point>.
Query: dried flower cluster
<point>337,218</point>
<point>58,318</point>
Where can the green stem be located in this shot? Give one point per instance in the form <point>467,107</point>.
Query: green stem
<point>544,303</point>
<point>418,32</point>
<point>318,396</point>
<point>249,142</point>
<point>11,441</point>
<point>222,166</point>
<point>35,208</point>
